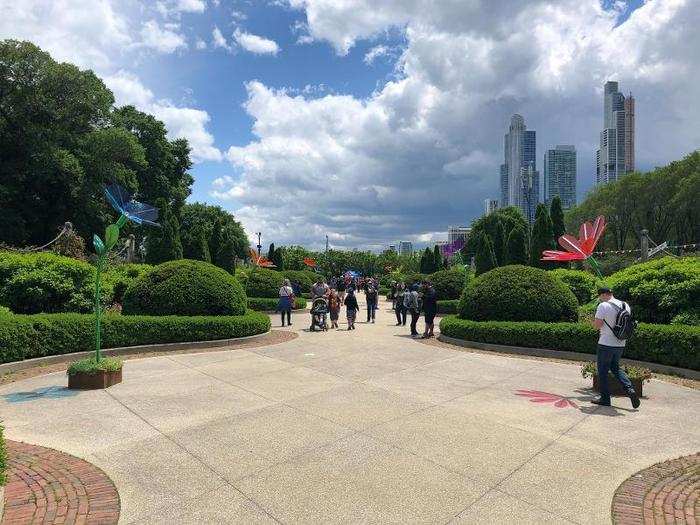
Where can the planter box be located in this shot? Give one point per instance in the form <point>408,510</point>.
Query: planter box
<point>99,380</point>
<point>616,387</point>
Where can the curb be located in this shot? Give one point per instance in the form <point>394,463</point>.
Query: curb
<point>16,366</point>
<point>572,356</point>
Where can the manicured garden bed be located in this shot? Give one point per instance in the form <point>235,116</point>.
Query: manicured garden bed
<point>28,336</point>
<point>268,304</point>
<point>672,345</point>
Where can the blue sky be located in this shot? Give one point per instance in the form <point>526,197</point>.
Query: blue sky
<point>373,151</point>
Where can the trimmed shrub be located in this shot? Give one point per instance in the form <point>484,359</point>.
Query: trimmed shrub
<point>449,284</point>
<point>691,317</point>
<point>448,307</point>
<point>263,282</point>
<point>663,344</point>
<point>518,293</point>
<point>268,304</point>
<point>46,282</point>
<point>5,311</point>
<point>583,284</point>
<point>185,287</point>
<point>414,277</point>
<point>305,279</point>
<point>3,458</point>
<point>121,276</point>
<point>91,366</point>
<point>29,336</point>
<point>660,289</point>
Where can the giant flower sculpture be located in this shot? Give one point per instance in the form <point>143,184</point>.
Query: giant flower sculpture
<point>260,260</point>
<point>129,210</point>
<point>580,249</point>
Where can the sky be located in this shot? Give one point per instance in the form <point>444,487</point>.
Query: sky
<point>373,121</point>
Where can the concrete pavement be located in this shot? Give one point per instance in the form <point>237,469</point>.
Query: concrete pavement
<point>363,426</point>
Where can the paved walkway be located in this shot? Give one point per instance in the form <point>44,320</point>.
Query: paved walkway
<point>363,426</point>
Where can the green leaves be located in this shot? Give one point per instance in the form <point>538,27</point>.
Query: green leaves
<point>98,244</point>
<point>111,235</point>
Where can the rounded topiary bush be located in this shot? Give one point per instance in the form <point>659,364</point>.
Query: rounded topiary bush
<point>449,284</point>
<point>583,284</point>
<point>660,289</point>
<point>185,287</point>
<point>518,293</point>
<point>47,283</point>
<point>264,283</point>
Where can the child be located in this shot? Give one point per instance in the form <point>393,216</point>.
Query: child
<point>351,308</point>
<point>334,308</point>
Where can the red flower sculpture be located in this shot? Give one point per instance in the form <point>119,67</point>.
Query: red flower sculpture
<point>545,397</point>
<point>261,261</point>
<point>309,262</point>
<point>580,249</point>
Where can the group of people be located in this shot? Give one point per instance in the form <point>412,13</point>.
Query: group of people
<point>413,300</point>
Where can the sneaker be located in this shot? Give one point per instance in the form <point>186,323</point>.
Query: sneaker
<point>634,398</point>
<point>372,321</point>
<point>601,402</point>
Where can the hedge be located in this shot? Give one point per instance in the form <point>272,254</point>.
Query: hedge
<point>29,336</point>
<point>664,344</point>
<point>449,284</point>
<point>268,304</point>
<point>185,287</point>
<point>581,283</point>
<point>263,282</point>
<point>3,458</point>
<point>448,307</point>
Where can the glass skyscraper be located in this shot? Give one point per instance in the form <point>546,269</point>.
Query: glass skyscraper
<point>615,157</point>
<point>560,175</point>
<point>520,180</point>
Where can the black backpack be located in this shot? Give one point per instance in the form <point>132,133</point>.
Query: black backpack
<point>624,322</point>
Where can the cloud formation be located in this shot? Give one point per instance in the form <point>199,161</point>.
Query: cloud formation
<point>422,152</point>
<point>256,44</point>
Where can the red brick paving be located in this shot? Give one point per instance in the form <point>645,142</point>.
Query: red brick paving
<point>48,486</point>
<point>667,492</point>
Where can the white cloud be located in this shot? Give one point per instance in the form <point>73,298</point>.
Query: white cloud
<point>181,122</point>
<point>165,39</point>
<point>175,7</point>
<point>256,44</point>
<point>218,39</point>
<point>423,151</point>
<point>200,44</point>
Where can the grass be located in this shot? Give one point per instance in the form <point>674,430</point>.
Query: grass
<point>91,366</point>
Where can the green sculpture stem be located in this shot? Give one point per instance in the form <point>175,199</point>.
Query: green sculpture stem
<point>594,264</point>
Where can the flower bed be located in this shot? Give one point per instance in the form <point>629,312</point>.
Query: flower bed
<point>28,336</point>
<point>268,304</point>
<point>672,345</point>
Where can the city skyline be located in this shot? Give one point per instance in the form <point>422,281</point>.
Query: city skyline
<point>615,156</point>
<point>372,122</point>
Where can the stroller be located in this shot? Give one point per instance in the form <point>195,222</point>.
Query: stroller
<point>319,312</point>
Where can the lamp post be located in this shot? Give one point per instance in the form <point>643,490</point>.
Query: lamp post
<point>259,245</point>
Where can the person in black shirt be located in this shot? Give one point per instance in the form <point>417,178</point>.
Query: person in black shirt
<point>429,308</point>
<point>351,308</point>
<point>371,296</point>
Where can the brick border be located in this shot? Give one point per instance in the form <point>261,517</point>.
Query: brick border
<point>668,492</point>
<point>48,486</point>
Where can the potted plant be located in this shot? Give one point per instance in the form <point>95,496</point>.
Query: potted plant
<point>637,375</point>
<point>98,372</point>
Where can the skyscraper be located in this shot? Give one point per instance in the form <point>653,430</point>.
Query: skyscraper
<point>560,175</point>
<point>405,247</point>
<point>457,232</point>
<point>615,157</point>
<point>519,176</point>
<point>490,205</point>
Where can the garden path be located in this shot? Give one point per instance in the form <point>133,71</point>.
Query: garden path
<point>362,426</point>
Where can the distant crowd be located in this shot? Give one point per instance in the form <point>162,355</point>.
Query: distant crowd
<point>342,291</point>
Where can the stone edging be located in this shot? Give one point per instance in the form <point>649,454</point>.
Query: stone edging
<point>16,366</point>
<point>572,356</point>
<point>663,493</point>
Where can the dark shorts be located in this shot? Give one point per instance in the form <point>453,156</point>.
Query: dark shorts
<point>430,317</point>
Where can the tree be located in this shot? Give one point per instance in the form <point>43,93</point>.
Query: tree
<point>509,217</point>
<point>499,242</point>
<point>293,257</point>
<point>271,252</point>
<point>557,215</point>
<point>516,248</point>
<point>426,261</point>
<point>542,237</point>
<point>225,254</point>
<point>278,258</point>
<point>485,259</point>
<point>163,244</point>
<point>438,263</point>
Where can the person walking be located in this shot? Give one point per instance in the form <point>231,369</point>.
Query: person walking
<point>320,288</point>
<point>371,296</point>
<point>399,308</point>
<point>286,301</point>
<point>429,308</point>
<point>341,289</point>
<point>334,308</point>
<point>351,308</point>
<point>613,319</point>
<point>411,301</point>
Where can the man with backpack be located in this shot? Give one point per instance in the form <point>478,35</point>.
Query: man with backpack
<point>613,319</point>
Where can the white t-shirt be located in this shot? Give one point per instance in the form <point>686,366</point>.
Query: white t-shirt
<point>286,291</point>
<point>608,313</point>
